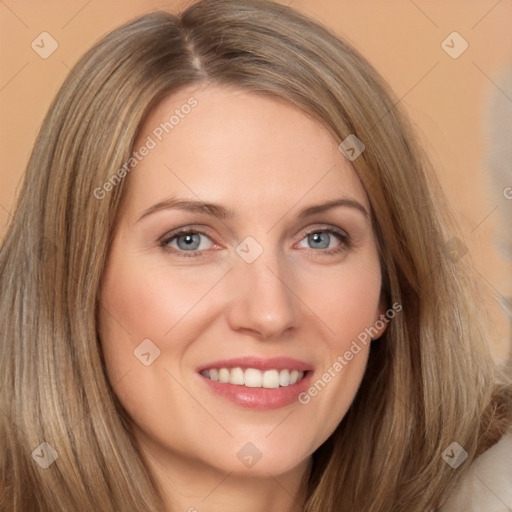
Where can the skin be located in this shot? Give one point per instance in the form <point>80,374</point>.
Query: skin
<point>266,160</point>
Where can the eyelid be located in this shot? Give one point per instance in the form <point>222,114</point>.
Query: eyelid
<point>184,230</point>
<point>204,231</point>
<point>345,238</point>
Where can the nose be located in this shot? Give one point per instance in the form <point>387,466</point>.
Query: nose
<point>263,302</point>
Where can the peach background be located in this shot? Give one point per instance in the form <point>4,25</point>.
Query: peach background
<point>402,39</point>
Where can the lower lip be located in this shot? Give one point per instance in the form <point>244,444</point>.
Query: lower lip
<point>259,398</point>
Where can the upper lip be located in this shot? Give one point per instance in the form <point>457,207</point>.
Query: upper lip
<point>272,363</point>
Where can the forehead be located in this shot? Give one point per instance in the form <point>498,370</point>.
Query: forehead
<point>230,145</point>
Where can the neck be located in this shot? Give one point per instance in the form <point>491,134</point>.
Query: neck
<point>193,486</point>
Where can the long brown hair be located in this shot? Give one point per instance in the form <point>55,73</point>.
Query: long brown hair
<point>430,380</point>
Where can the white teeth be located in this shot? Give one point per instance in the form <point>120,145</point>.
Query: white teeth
<point>254,378</point>
<point>284,378</point>
<point>271,379</point>
<point>237,376</point>
<point>224,375</point>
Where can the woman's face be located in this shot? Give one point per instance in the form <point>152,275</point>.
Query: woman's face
<point>205,332</point>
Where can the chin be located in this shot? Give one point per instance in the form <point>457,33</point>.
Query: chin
<point>260,459</point>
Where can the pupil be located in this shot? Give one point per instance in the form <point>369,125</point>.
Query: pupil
<point>317,237</point>
<point>189,239</point>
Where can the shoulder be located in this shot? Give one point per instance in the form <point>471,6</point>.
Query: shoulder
<point>486,486</point>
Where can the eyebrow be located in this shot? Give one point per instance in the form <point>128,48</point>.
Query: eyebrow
<point>221,212</point>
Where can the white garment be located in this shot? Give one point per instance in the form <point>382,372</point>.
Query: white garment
<point>486,486</point>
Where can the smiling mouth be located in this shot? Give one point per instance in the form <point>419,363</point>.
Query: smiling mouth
<point>254,378</point>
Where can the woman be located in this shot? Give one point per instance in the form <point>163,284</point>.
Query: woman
<point>257,370</point>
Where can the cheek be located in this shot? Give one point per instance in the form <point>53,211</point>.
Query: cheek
<point>347,302</point>
<point>346,298</point>
<point>133,309</point>
<point>138,304</point>
<point>141,300</point>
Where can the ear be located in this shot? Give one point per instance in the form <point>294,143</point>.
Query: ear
<point>382,320</point>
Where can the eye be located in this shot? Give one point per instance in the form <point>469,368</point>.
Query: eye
<point>323,239</point>
<point>186,241</point>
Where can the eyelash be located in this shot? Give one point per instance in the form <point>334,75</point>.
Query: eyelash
<point>344,245</point>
